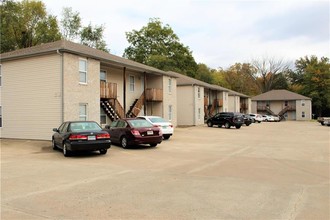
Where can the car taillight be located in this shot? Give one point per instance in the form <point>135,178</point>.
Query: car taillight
<point>171,126</point>
<point>77,137</point>
<point>103,136</point>
<point>135,132</point>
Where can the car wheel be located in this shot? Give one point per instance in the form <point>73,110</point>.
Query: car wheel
<point>66,152</point>
<point>153,145</point>
<point>227,125</point>
<point>259,121</point>
<point>209,124</point>
<point>247,124</point>
<point>166,137</point>
<point>123,142</point>
<point>103,151</point>
<point>238,126</point>
<point>54,145</point>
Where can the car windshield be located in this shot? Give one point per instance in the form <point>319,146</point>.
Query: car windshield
<point>84,126</point>
<point>139,123</point>
<point>157,120</point>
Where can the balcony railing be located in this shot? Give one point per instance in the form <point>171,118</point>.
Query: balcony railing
<point>206,101</point>
<point>291,107</point>
<point>244,106</point>
<point>108,90</point>
<point>264,107</point>
<point>154,95</point>
<point>218,102</point>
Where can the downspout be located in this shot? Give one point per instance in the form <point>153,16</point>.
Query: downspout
<point>194,106</point>
<point>210,101</point>
<point>62,85</point>
<point>144,94</point>
<point>124,91</point>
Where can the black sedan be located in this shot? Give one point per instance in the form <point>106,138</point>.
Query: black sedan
<point>80,136</point>
<point>134,131</point>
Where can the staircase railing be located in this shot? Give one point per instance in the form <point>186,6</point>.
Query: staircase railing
<point>118,107</point>
<point>136,107</point>
<point>270,111</point>
<point>283,111</point>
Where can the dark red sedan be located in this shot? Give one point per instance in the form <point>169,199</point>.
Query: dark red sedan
<point>134,131</point>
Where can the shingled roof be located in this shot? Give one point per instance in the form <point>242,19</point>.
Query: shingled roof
<point>279,95</point>
<point>82,50</point>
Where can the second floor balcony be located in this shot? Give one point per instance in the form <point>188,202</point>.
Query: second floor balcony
<point>154,95</point>
<point>108,90</point>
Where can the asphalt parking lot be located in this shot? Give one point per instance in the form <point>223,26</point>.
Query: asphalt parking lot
<point>264,171</point>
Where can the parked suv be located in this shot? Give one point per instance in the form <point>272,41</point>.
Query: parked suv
<point>227,119</point>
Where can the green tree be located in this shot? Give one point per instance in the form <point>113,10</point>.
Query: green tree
<point>204,73</point>
<point>93,37</point>
<point>280,81</point>
<point>239,78</point>
<point>73,30</point>
<point>314,75</point>
<point>70,24</point>
<point>158,46</point>
<point>25,24</point>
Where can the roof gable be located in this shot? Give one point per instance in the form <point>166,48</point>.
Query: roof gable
<point>82,50</point>
<point>279,95</point>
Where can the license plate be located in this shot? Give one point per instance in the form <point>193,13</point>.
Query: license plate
<point>91,138</point>
<point>164,127</point>
<point>150,132</point>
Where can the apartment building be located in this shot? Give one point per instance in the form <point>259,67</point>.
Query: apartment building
<point>44,85</point>
<point>286,104</point>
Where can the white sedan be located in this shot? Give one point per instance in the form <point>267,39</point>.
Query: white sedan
<point>268,118</point>
<point>165,126</point>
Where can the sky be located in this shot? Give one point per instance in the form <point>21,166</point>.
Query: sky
<point>219,33</point>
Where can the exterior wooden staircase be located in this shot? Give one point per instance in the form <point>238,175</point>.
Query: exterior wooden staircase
<point>113,109</point>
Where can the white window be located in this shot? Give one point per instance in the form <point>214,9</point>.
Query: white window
<point>83,112</point>
<point>131,83</point>
<point>199,92</point>
<point>103,75</point>
<point>169,85</point>
<point>83,71</point>
<point>170,112</point>
<point>103,117</point>
<point>199,113</point>
<point>303,114</point>
<point>0,117</point>
<point>302,102</point>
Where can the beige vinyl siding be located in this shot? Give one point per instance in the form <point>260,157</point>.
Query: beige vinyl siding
<point>185,105</point>
<point>233,103</point>
<point>31,97</point>
<point>190,108</point>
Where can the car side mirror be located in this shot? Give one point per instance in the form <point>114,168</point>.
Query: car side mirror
<point>107,127</point>
<point>55,130</point>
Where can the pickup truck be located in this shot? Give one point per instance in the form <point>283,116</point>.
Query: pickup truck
<point>324,120</point>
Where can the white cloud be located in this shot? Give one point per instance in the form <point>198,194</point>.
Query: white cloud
<point>219,33</point>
